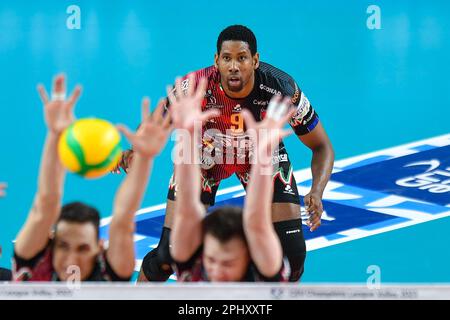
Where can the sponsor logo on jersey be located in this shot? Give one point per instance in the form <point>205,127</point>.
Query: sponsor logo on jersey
<point>296,95</point>
<point>270,90</point>
<point>237,108</point>
<point>185,85</point>
<point>302,110</point>
<point>210,97</point>
<point>288,190</point>
<point>280,158</point>
<point>211,101</point>
<point>260,102</point>
<point>207,162</point>
<point>232,146</point>
<point>244,178</point>
<point>309,118</point>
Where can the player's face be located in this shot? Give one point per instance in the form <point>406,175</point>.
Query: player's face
<point>75,246</point>
<point>225,261</point>
<point>237,68</point>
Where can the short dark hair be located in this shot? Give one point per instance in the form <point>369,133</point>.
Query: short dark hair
<point>224,224</point>
<point>79,212</point>
<point>238,33</point>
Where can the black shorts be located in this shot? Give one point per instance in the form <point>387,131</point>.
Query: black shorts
<point>284,191</point>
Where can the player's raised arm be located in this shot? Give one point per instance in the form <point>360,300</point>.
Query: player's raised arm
<point>264,244</point>
<point>148,141</point>
<point>187,118</point>
<point>58,114</point>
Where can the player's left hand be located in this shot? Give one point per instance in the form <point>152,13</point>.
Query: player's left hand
<point>152,135</point>
<point>266,134</point>
<point>186,105</point>
<point>314,207</point>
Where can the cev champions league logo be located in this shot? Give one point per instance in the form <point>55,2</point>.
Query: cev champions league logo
<point>435,181</point>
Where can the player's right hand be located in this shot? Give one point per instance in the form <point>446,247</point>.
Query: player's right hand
<point>58,111</point>
<point>124,162</point>
<point>186,106</point>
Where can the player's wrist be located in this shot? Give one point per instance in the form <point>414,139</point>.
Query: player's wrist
<point>316,191</point>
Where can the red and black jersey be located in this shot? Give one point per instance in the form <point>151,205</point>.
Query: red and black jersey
<point>193,270</point>
<point>226,147</point>
<point>40,268</point>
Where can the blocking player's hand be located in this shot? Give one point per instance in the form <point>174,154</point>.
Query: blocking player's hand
<point>186,106</point>
<point>314,207</point>
<point>266,134</point>
<point>153,133</point>
<point>2,189</point>
<point>58,112</point>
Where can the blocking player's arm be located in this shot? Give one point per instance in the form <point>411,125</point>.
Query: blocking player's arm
<point>264,244</point>
<point>187,117</point>
<point>186,233</point>
<point>58,113</point>
<point>147,142</point>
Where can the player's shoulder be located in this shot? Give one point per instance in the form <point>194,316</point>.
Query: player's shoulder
<point>210,73</point>
<point>275,81</point>
<point>270,73</point>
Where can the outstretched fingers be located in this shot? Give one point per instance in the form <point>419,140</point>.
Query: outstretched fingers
<point>190,88</point>
<point>59,84</point>
<point>145,109</point>
<point>43,94</point>
<point>201,89</point>
<point>157,115</point>
<point>74,96</point>
<point>209,114</point>
<point>126,132</point>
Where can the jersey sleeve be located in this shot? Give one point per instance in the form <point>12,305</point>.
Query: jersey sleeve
<point>189,270</point>
<point>23,269</point>
<point>305,118</point>
<point>281,276</point>
<point>110,273</point>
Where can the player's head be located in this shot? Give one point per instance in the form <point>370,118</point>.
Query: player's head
<point>237,59</point>
<point>225,252</point>
<point>76,240</point>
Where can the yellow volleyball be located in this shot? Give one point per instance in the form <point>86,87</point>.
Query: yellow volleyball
<point>90,147</point>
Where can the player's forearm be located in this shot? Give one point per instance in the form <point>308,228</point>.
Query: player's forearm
<point>321,167</point>
<point>189,211</point>
<point>50,181</point>
<point>51,173</point>
<point>258,201</point>
<point>265,248</point>
<point>188,174</point>
<point>130,193</point>
<point>128,199</point>
<point>47,203</point>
